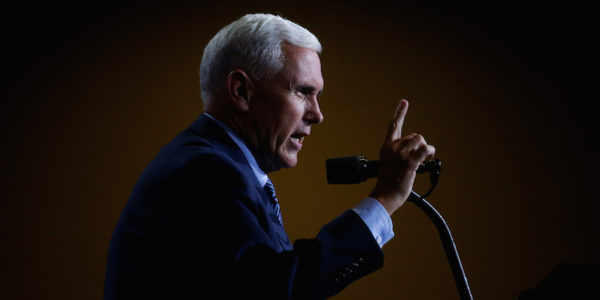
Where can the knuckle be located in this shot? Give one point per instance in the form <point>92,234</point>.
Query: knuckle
<point>420,138</point>
<point>420,151</point>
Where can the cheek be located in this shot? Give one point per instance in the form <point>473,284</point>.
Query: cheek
<point>283,131</point>
<point>289,121</point>
<point>283,120</point>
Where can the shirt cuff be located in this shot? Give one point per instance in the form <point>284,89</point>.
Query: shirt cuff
<point>377,219</point>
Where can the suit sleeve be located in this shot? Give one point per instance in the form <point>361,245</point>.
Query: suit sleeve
<point>211,230</point>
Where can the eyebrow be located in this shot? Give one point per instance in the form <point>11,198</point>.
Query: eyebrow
<point>309,88</point>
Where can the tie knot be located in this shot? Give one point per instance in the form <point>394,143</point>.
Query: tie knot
<point>269,185</point>
<point>270,189</point>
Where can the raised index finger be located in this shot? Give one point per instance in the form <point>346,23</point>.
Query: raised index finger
<point>395,129</point>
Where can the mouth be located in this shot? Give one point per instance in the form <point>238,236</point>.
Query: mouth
<point>298,138</point>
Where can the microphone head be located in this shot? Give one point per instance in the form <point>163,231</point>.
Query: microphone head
<point>345,170</point>
<point>356,169</point>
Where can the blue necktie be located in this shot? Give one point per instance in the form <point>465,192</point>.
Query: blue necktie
<point>270,190</point>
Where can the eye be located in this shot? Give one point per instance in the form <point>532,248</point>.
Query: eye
<point>305,91</point>
<point>302,92</point>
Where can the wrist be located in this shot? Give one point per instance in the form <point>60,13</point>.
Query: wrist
<point>390,202</point>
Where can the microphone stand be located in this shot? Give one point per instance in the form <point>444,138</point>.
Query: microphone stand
<point>355,169</point>
<point>459,274</point>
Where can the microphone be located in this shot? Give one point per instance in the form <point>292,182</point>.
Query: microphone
<point>356,169</point>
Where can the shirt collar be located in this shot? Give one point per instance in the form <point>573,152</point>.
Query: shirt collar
<point>258,172</point>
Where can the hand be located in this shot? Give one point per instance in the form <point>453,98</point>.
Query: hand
<point>399,158</point>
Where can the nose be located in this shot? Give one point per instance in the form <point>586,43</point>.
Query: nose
<point>313,113</point>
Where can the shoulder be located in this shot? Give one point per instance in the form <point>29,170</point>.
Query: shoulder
<point>193,162</point>
<point>193,153</point>
<point>212,165</point>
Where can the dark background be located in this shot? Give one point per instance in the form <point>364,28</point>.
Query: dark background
<point>505,91</point>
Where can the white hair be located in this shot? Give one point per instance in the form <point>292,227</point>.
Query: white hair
<point>253,44</point>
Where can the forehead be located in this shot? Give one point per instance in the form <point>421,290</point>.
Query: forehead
<point>302,66</point>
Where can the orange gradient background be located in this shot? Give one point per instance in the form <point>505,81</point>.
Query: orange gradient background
<point>503,92</point>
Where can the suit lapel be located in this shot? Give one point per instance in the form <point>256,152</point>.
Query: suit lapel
<point>208,129</point>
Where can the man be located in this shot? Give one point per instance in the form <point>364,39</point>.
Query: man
<point>203,220</point>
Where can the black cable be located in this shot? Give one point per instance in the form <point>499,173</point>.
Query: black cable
<point>434,169</point>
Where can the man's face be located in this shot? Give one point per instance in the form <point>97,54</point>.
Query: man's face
<point>284,107</point>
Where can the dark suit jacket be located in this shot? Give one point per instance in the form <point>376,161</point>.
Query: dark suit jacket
<point>199,225</point>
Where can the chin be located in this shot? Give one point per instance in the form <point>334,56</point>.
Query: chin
<point>289,161</point>
<point>293,164</point>
<point>279,162</point>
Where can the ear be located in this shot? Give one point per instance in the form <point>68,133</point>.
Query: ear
<point>239,89</point>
